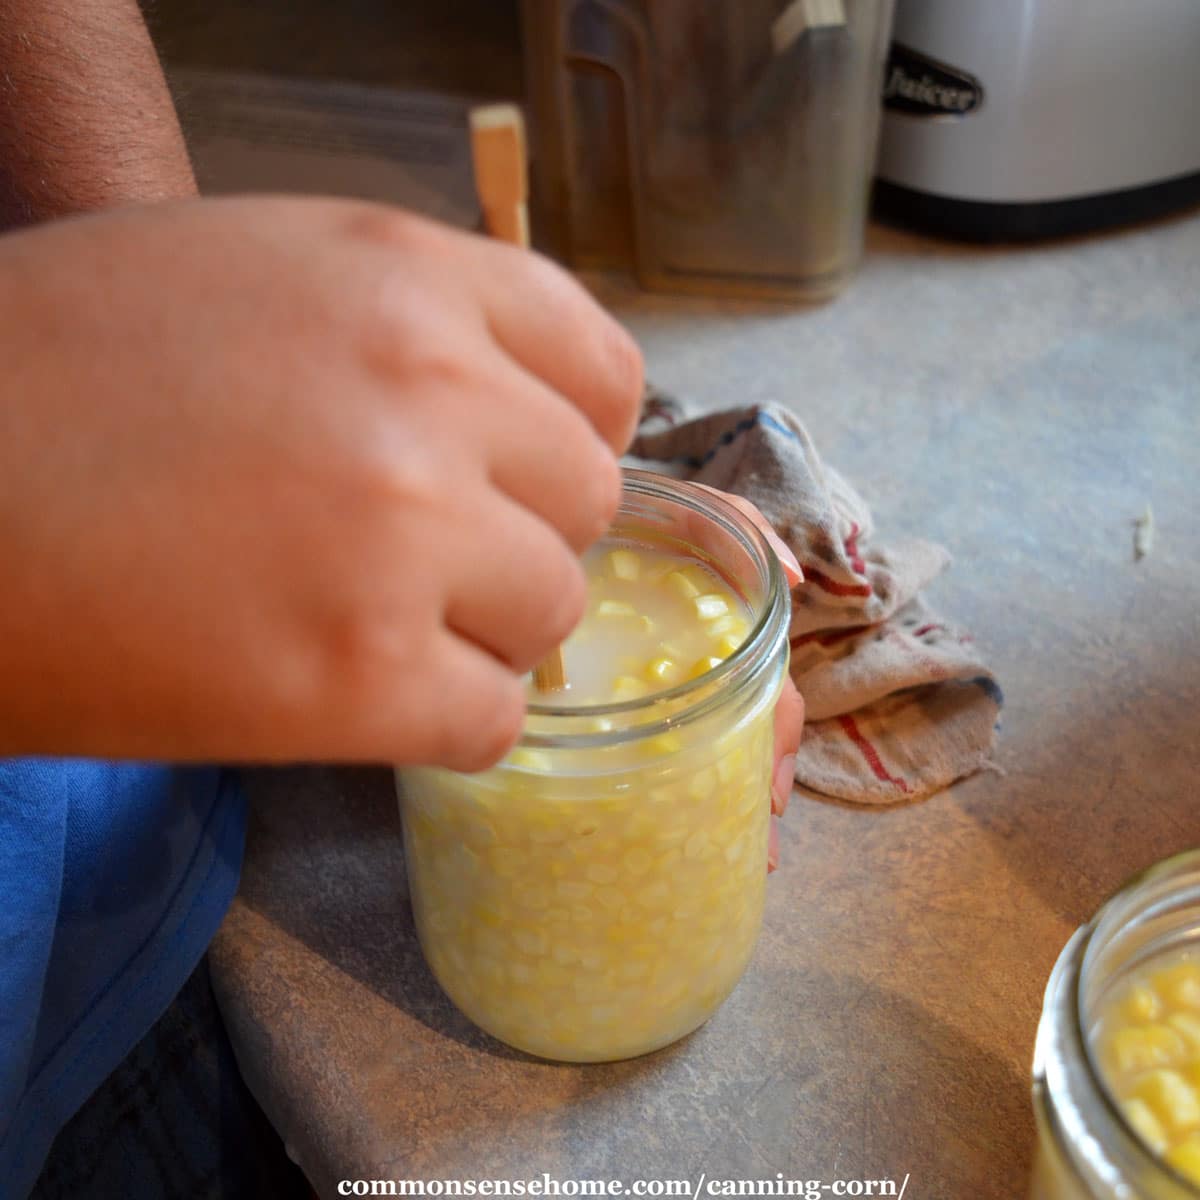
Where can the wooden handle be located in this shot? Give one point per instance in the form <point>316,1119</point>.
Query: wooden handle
<point>501,175</point>
<point>502,181</point>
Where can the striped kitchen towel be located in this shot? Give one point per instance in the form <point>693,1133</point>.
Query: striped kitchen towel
<point>900,703</point>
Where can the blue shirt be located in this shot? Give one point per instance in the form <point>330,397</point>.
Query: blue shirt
<point>113,880</point>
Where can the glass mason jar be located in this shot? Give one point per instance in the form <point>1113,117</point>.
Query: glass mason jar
<point>598,894</point>
<point>1086,1148</point>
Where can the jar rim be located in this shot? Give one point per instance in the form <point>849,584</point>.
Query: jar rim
<point>712,688</point>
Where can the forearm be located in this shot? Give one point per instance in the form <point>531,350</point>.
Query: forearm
<point>86,120</point>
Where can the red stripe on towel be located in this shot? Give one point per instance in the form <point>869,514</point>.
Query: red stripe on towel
<point>869,752</point>
<point>812,575</point>
<point>851,545</point>
<point>828,639</point>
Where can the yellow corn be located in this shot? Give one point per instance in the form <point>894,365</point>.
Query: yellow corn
<point>1139,1048</point>
<point>1179,986</point>
<point>624,564</point>
<point>1149,1037</point>
<point>1171,1099</point>
<point>615,608</point>
<point>662,671</point>
<point>625,687</point>
<point>711,606</point>
<point>1184,1156</point>
<point>682,585</point>
<point>1142,1004</point>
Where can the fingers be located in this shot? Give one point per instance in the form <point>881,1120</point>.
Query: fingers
<point>472,720</point>
<point>789,726</point>
<point>534,311</point>
<point>787,560</point>
<point>519,591</point>
<point>546,457</point>
<point>546,321</point>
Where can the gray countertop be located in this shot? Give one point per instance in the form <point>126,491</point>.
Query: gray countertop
<point>1021,406</point>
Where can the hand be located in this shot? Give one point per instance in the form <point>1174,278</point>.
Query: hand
<point>293,479</point>
<point>789,710</point>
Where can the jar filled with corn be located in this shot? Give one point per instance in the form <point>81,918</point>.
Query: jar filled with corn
<point>1116,1073</point>
<point>598,893</point>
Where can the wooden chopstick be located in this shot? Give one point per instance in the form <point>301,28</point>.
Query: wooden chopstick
<point>502,181</point>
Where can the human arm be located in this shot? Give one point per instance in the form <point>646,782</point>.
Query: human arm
<point>86,120</point>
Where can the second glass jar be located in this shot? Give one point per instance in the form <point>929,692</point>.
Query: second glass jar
<point>1087,1148</point>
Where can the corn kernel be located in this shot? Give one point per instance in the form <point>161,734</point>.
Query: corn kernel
<point>1171,1099</point>
<point>622,932</point>
<point>637,861</point>
<point>729,623</point>
<point>682,584</point>
<point>702,666</point>
<point>625,687</point>
<point>488,916</point>
<point>659,747</point>
<point>624,564</point>
<point>654,895</point>
<point>552,975</point>
<point>662,671</point>
<point>727,644</point>
<point>1141,1005</point>
<point>669,860</point>
<point>573,889</point>
<point>1146,1125</point>
<point>1185,1158</point>
<point>612,609</point>
<point>1187,1025</point>
<point>1179,986</point>
<point>529,941</point>
<point>529,759</point>
<point>1140,1048</point>
<point>711,606</point>
<point>641,826</point>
